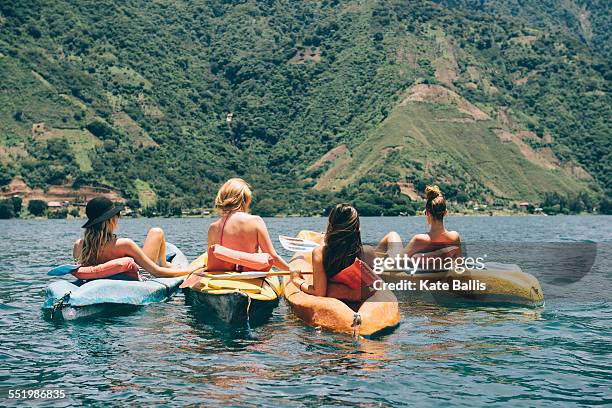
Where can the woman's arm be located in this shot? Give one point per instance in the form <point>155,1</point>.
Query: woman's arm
<point>129,248</point>
<point>319,278</point>
<point>210,236</point>
<point>457,238</point>
<point>265,243</point>
<point>416,244</point>
<point>77,248</point>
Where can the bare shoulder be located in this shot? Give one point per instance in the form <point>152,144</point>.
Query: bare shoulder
<point>420,239</point>
<point>214,227</point>
<point>252,217</point>
<point>255,220</point>
<point>453,236</point>
<point>124,243</point>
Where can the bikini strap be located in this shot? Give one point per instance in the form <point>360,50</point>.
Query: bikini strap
<point>225,218</point>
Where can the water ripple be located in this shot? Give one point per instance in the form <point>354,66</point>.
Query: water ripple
<point>171,353</point>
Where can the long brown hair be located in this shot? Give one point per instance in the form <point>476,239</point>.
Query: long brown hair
<point>96,237</point>
<point>342,239</point>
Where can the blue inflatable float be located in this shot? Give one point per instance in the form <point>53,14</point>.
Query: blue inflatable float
<point>70,301</point>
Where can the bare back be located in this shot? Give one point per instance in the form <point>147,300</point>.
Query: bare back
<point>434,240</point>
<point>112,250</point>
<point>240,232</point>
<point>244,232</point>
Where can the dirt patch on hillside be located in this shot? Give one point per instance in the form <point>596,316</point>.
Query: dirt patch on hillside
<point>524,39</point>
<point>61,193</point>
<point>149,109</point>
<point>456,120</point>
<point>405,56</point>
<point>408,190</point>
<point>328,180</point>
<point>42,80</point>
<point>439,94</point>
<point>306,54</point>
<point>446,70</point>
<point>474,73</point>
<point>585,24</point>
<point>138,135</point>
<point>489,87</point>
<point>505,118</point>
<point>391,149</point>
<point>13,153</point>
<point>521,81</point>
<point>576,171</point>
<point>543,157</point>
<point>330,156</point>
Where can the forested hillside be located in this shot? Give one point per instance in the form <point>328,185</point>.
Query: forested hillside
<point>311,102</point>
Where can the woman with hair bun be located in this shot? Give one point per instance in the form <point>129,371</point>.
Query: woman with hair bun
<point>237,229</point>
<point>438,236</point>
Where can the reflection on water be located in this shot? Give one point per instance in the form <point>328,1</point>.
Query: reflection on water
<point>172,353</point>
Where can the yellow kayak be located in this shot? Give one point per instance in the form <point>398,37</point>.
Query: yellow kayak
<point>497,284</point>
<point>494,285</point>
<point>231,299</point>
<point>377,315</point>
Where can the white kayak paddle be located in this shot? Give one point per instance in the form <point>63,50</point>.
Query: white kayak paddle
<point>297,244</point>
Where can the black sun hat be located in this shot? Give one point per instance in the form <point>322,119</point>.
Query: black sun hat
<point>100,209</point>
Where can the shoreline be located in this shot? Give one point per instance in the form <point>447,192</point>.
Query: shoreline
<point>458,215</point>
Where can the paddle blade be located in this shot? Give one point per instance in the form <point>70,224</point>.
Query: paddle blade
<point>62,270</point>
<point>297,244</point>
<point>191,281</point>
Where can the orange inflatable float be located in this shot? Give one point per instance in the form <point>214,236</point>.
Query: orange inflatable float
<point>378,315</point>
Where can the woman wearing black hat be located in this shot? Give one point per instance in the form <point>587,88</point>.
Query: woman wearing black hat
<point>100,244</point>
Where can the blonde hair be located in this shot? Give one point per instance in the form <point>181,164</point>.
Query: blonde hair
<point>96,237</point>
<point>234,195</point>
<point>436,204</point>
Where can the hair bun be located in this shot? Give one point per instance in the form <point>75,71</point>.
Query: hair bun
<point>432,192</point>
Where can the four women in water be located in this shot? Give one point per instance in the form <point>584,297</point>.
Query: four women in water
<point>246,235</point>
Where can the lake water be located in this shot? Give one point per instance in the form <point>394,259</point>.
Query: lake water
<point>439,356</point>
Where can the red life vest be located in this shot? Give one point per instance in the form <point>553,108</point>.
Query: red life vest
<point>356,276</point>
<point>113,267</point>
<point>222,258</point>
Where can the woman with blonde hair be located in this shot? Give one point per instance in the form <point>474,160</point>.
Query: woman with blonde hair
<point>436,239</point>
<point>100,244</point>
<point>237,229</point>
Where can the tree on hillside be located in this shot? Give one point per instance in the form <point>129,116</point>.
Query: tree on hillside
<point>17,204</point>
<point>5,175</point>
<point>99,129</point>
<point>37,207</point>
<point>6,210</point>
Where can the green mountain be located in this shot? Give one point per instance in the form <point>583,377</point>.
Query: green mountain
<point>311,102</point>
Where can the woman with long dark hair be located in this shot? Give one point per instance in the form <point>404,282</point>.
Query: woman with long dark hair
<point>341,247</point>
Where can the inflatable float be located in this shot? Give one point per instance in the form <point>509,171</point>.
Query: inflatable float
<point>75,300</point>
<point>495,284</point>
<point>378,315</point>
